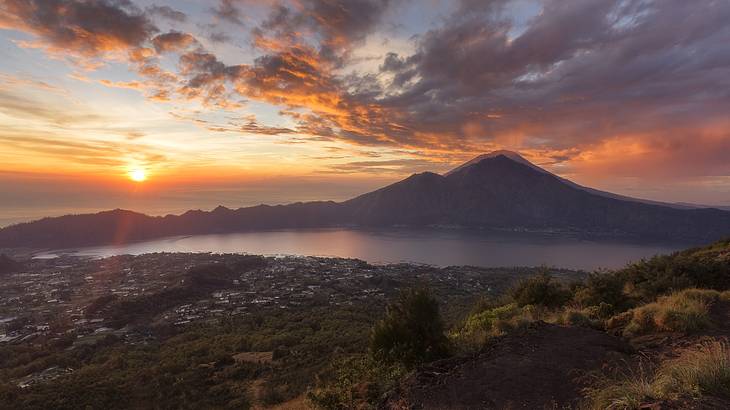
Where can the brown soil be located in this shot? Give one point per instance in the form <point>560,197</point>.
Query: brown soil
<point>544,366</point>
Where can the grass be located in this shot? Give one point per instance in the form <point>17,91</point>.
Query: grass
<point>686,311</point>
<point>626,390</point>
<point>481,326</point>
<point>704,370</point>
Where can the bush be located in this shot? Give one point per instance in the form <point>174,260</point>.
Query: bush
<point>692,268</point>
<point>485,320</point>
<point>356,381</point>
<point>412,331</point>
<point>603,289</point>
<point>581,318</point>
<point>482,325</point>
<point>540,290</point>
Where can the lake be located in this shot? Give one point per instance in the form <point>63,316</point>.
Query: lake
<point>428,246</point>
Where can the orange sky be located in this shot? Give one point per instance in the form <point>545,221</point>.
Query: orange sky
<point>240,102</point>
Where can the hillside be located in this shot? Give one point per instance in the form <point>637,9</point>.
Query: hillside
<point>654,335</point>
<point>8,265</point>
<point>496,191</point>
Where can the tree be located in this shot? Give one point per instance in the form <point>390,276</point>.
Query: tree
<point>412,331</point>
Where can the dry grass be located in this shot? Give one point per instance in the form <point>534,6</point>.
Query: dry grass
<point>686,311</point>
<point>705,370</point>
<point>697,372</point>
<point>623,391</point>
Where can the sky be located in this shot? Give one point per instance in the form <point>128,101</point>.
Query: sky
<point>240,102</point>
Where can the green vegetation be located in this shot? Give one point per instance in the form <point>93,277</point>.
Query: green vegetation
<point>195,368</point>
<point>412,331</point>
<point>540,290</point>
<point>358,381</point>
<point>643,282</point>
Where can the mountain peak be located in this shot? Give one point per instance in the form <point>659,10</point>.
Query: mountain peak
<point>514,156</point>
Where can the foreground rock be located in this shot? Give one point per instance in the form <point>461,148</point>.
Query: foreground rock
<point>544,366</point>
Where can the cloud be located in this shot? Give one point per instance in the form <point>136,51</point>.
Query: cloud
<point>395,166</point>
<point>173,41</point>
<point>87,28</point>
<point>228,11</point>
<point>249,125</point>
<point>577,79</point>
<point>581,73</point>
<point>168,13</point>
<point>335,25</point>
<point>84,154</point>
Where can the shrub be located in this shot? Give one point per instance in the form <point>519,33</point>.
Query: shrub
<point>705,370</point>
<point>356,381</point>
<point>606,290</point>
<point>700,268</point>
<point>479,327</point>
<point>485,320</point>
<point>540,290</point>
<point>575,317</point>
<point>412,331</point>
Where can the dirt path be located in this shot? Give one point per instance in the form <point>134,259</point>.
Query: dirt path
<point>544,366</point>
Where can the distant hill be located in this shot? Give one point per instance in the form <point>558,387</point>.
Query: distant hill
<point>501,190</point>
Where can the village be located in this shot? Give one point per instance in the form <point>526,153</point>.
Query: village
<point>64,300</point>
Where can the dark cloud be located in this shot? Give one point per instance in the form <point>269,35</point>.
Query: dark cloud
<point>219,37</point>
<point>173,41</point>
<point>228,11</point>
<point>168,13</point>
<point>249,125</point>
<point>581,73</point>
<point>88,28</point>
<point>334,25</point>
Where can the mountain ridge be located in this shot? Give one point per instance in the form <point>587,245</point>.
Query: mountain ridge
<point>500,191</point>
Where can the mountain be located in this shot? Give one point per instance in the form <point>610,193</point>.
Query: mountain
<point>500,190</point>
<point>504,192</point>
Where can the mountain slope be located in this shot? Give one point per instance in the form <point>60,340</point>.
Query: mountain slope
<point>500,190</point>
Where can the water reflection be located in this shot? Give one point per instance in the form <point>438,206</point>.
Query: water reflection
<point>435,247</point>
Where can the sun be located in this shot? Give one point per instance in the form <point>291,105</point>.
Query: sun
<point>137,175</point>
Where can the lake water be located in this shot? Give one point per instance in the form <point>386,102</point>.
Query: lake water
<point>434,247</point>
